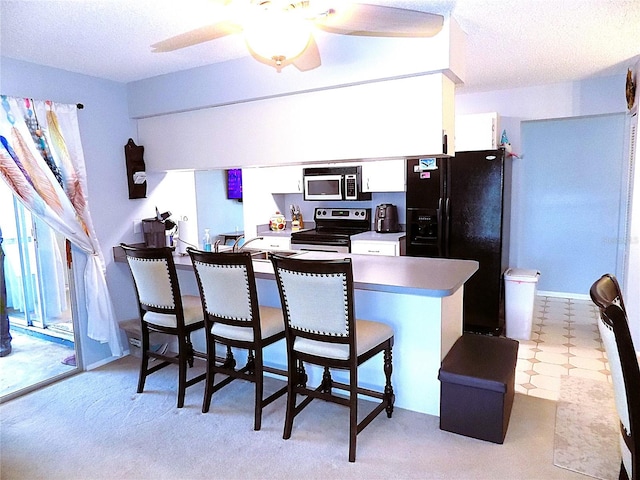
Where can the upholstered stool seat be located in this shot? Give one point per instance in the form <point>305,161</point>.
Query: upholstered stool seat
<point>191,307</point>
<point>368,335</point>
<point>477,386</point>
<point>271,324</point>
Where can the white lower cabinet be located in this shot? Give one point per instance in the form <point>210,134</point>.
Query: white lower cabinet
<point>272,243</point>
<point>368,247</point>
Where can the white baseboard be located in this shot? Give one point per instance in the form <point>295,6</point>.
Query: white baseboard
<point>575,296</point>
<point>102,362</point>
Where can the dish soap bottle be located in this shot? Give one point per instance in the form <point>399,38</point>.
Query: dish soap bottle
<point>206,241</point>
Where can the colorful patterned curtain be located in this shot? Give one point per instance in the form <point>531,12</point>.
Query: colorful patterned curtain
<point>41,160</point>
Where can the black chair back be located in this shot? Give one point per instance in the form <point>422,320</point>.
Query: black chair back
<point>623,363</point>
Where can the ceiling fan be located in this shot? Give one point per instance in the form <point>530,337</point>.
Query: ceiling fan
<point>280,32</point>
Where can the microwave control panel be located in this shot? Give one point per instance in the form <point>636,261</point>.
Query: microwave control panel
<point>350,187</point>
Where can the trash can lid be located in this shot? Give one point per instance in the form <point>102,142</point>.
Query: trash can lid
<point>521,275</point>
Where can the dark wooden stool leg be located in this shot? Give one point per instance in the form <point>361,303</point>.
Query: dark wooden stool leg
<point>144,362</point>
<point>327,382</point>
<point>230,361</point>
<point>183,360</point>
<point>388,388</point>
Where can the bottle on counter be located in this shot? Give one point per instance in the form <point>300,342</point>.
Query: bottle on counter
<point>206,241</point>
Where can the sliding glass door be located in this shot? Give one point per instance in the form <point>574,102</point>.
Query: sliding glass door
<point>35,272</point>
<point>38,299</point>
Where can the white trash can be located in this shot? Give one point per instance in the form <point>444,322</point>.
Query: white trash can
<point>520,293</point>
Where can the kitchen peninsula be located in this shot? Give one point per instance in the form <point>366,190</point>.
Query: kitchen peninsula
<point>421,298</point>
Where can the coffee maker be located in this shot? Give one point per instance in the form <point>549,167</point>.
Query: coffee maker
<point>154,229</point>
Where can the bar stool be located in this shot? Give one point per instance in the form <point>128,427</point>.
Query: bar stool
<point>163,309</point>
<point>321,329</point>
<point>232,317</point>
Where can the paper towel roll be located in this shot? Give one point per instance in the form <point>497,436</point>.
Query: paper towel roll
<point>187,236</point>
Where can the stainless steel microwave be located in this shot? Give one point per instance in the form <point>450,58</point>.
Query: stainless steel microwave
<point>333,183</point>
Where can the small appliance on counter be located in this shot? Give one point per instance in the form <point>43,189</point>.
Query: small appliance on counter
<point>386,220</point>
<point>154,229</point>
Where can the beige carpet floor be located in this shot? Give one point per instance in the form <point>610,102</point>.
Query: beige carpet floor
<point>94,426</point>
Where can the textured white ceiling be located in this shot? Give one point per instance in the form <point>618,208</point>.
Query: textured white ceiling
<point>510,43</point>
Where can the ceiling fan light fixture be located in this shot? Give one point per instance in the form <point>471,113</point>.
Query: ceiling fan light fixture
<point>277,35</point>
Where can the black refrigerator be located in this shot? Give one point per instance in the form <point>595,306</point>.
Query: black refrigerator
<point>459,207</point>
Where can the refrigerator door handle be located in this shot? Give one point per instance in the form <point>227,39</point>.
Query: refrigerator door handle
<point>447,228</point>
<point>441,229</point>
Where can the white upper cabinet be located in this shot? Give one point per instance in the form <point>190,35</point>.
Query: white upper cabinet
<point>384,176</point>
<point>402,117</point>
<point>479,131</point>
<point>286,179</point>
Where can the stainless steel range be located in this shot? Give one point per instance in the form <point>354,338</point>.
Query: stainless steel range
<point>334,227</point>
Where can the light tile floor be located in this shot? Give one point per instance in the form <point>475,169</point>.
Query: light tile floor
<point>564,341</point>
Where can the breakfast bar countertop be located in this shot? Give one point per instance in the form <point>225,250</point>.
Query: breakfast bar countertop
<point>431,277</point>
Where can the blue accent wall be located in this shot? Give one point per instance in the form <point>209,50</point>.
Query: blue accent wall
<point>570,200</point>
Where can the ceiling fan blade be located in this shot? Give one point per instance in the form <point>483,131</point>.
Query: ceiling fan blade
<point>309,58</point>
<point>194,37</point>
<point>379,21</point>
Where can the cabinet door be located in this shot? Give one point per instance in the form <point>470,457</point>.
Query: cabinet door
<point>374,248</point>
<point>477,132</point>
<point>285,179</point>
<point>384,176</point>
<point>272,243</point>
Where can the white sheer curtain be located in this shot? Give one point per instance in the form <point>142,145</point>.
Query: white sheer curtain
<point>41,160</point>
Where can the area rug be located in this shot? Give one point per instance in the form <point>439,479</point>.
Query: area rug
<point>586,432</point>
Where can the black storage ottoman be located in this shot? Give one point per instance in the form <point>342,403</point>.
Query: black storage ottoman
<point>477,379</point>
